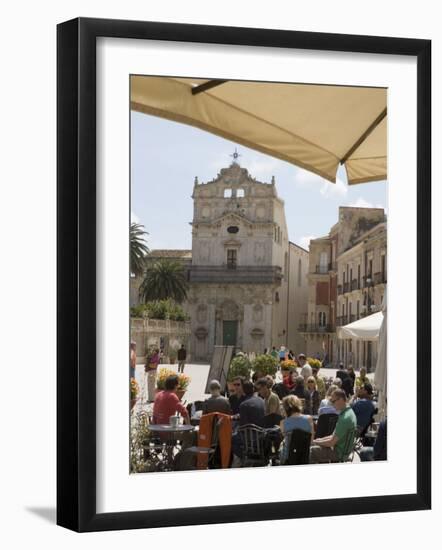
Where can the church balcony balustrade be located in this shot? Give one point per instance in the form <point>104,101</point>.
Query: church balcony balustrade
<point>241,274</point>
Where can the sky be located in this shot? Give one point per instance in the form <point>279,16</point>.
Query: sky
<point>166,156</point>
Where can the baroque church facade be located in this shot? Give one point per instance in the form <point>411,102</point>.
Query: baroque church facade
<point>248,284</point>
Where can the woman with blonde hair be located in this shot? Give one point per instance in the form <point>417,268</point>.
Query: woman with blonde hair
<point>312,404</point>
<point>294,420</point>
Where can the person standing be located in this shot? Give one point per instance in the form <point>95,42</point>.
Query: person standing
<point>133,359</point>
<point>150,369</point>
<point>306,370</point>
<point>182,354</point>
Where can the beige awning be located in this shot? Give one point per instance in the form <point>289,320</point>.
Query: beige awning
<point>366,328</point>
<point>315,127</point>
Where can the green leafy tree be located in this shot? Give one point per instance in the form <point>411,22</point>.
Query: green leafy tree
<point>138,248</point>
<point>164,279</point>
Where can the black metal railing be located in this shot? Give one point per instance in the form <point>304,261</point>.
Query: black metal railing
<point>305,327</point>
<point>380,278</point>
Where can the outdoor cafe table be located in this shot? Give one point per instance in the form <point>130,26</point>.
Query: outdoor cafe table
<point>170,435</point>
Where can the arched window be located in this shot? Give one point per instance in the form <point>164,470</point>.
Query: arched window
<point>322,319</point>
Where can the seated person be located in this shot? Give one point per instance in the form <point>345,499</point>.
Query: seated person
<point>337,446</point>
<point>379,449</point>
<point>299,389</point>
<point>252,409</point>
<point>271,400</point>
<point>167,403</point>
<point>320,383</point>
<point>363,407</point>
<point>216,402</point>
<point>326,407</point>
<point>295,421</point>
<point>237,397</point>
<point>362,378</point>
<point>312,404</point>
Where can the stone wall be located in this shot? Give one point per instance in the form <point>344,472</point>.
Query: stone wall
<point>158,332</point>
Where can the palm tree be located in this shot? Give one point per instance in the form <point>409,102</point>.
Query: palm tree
<point>164,279</point>
<point>138,248</point>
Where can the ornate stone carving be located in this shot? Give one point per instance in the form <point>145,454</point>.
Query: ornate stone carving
<point>201,333</point>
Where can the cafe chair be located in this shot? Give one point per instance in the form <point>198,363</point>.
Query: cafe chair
<point>299,448</point>
<point>188,458</point>
<point>326,424</point>
<point>254,446</point>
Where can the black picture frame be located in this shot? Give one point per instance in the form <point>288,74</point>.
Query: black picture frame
<point>76,273</point>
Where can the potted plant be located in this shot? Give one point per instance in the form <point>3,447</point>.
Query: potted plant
<point>314,362</point>
<point>163,373</point>
<point>265,364</point>
<point>134,389</point>
<point>239,366</point>
<point>183,381</point>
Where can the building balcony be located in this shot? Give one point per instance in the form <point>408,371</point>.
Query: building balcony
<point>339,290</point>
<point>240,274</point>
<point>346,287</point>
<point>355,284</point>
<point>320,329</point>
<point>324,269</point>
<point>379,278</point>
<point>341,321</point>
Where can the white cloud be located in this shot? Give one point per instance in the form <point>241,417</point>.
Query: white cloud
<point>304,178</point>
<point>360,202</point>
<point>338,189</point>
<point>305,241</point>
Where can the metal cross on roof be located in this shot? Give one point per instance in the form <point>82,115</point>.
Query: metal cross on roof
<point>235,155</point>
